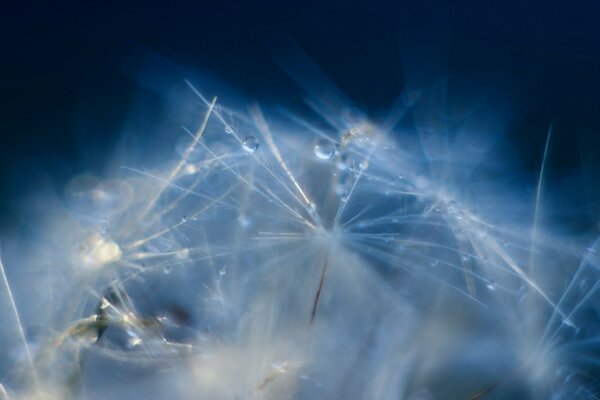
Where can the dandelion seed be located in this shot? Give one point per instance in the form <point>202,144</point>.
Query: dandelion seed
<point>302,278</point>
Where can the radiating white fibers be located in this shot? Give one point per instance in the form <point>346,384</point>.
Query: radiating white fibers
<point>259,255</point>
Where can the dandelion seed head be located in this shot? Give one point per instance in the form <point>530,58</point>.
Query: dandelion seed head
<point>262,255</point>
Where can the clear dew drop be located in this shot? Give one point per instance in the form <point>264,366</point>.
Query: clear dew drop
<point>167,269</point>
<point>250,144</point>
<point>364,164</point>
<point>324,149</point>
<point>228,130</point>
<point>222,271</point>
<point>568,322</point>
<point>280,367</point>
<point>134,341</point>
<point>491,285</point>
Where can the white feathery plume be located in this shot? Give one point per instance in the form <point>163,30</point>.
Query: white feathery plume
<point>277,257</point>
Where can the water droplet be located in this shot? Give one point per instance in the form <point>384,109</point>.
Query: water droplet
<point>568,322</point>
<point>229,129</point>
<point>250,144</point>
<point>134,341</point>
<point>364,164</point>
<point>434,263</point>
<point>222,271</point>
<point>167,269</point>
<point>279,366</point>
<point>491,285</point>
<point>324,148</point>
<point>465,257</point>
<point>184,219</point>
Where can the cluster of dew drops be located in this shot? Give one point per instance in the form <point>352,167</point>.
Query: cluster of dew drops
<point>324,149</point>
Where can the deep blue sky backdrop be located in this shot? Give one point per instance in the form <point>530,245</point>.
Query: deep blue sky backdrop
<point>62,79</point>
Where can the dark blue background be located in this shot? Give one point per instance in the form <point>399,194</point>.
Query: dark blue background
<point>62,82</point>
